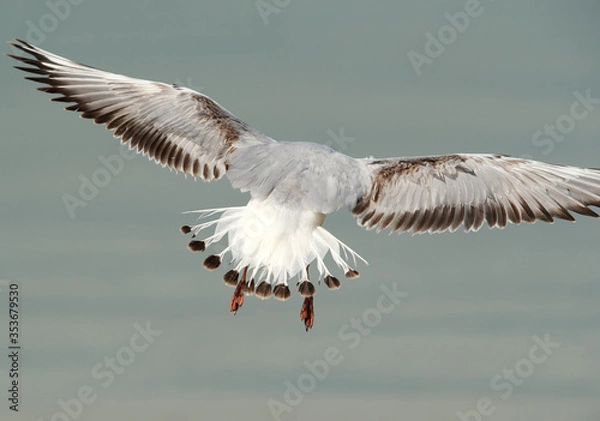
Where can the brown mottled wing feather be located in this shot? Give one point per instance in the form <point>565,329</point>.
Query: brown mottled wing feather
<point>175,126</point>
<point>438,193</point>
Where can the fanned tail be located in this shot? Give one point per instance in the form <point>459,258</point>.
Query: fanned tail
<point>273,243</point>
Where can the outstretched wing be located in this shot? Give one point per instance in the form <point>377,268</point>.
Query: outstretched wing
<point>444,192</point>
<point>175,126</point>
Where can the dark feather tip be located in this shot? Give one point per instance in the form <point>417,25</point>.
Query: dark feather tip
<point>185,229</point>
<point>306,289</point>
<point>231,278</point>
<point>248,288</point>
<point>332,282</point>
<point>281,292</point>
<point>352,274</point>
<point>197,245</point>
<point>212,262</point>
<point>263,290</point>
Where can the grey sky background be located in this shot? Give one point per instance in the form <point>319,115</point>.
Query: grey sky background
<point>474,300</point>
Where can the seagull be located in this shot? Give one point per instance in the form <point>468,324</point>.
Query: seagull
<point>273,240</point>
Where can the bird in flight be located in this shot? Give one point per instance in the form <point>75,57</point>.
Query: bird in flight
<point>276,238</point>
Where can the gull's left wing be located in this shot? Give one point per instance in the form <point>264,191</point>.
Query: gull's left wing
<point>437,193</point>
<point>175,126</point>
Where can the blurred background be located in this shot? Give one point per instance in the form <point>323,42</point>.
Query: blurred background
<point>391,79</point>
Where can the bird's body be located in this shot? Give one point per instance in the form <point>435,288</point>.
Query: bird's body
<point>279,233</point>
<point>301,175</point>
<point>273,240</point>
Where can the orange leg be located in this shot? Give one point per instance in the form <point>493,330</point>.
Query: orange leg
<point>307,313</point>
<point>237,300</point>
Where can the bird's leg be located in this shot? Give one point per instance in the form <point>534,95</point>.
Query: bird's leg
<point>237,300</point>
<point>307,313</point>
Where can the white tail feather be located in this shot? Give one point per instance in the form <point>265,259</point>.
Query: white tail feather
<point>277,243</point>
